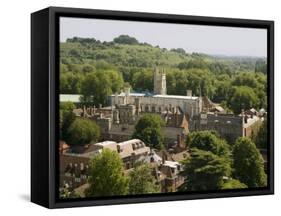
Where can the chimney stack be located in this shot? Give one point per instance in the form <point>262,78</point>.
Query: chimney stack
<point>179,140</point>
<point>189,93</point>
<point>84,111</point>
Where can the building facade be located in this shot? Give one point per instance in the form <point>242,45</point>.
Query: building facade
<point>159,101</point>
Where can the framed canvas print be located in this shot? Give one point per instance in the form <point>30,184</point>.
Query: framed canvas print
<point>138,107</point>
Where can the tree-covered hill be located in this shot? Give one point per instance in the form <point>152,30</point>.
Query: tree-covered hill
<point>89,67</point>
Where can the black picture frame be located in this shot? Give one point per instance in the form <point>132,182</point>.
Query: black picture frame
<point>45,97</point>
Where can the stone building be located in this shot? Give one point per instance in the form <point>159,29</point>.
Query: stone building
<point>229,126</point>
<point>159,101</point>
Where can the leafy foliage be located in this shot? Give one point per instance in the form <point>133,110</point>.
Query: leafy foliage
<point>125,39</point>
<point>233,184</point>
<point>261,138</point>
<point>142,181</point>
<point>97,86</point>
<point>248,163</point>
<point>149,130</point>
<point>106,175</point>
<point>66,118</point>
<point>243,97</point>
<point>82,131</point>
<point>208,141</point>
<point>205,171</point>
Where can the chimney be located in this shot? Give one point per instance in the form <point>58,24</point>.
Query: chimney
<point>170,107</point>
<point>246,119</point>
<point>183,140</point>
<point>127,95</point>
<point>84,111</point>
<point>91,111</point>
<point>177,116</point>
<point>127,91</point>
<point>116,99</point>
<point>189,93</point>
<point>179,140</point>
<point>137,103</point>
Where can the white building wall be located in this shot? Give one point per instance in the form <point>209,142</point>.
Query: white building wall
<point>190,105</point>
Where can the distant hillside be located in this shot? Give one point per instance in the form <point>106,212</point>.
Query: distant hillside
<point>125,51</point>
<point>91,67</point>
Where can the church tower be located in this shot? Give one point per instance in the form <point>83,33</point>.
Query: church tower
<point>160,82</point>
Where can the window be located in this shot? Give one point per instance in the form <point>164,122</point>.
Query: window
<point>127,165</point>
<point>119,149</point>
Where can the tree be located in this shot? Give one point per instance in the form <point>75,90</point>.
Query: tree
<point>179,50</point>
<point>245,79</point>
<point>143,80</point>
<point>261,66</point>
<point>204,171</point>
<point>116,80</point>
<point>82,131</point>
<point>149,130</point>
<point>88,68</point>
<point>248,163</point>
<point>125,39</point>
<point>261,136</point>
<point>106,175</point>
<point>142,181</point>
<point>233,184</point>
<point>70,83</point>
<point>243,97</point>
<point>66,118</point>
<point>208,141</point>
<point>96,87</point>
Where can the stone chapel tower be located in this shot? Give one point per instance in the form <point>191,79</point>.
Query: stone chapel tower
<point>160,82</point>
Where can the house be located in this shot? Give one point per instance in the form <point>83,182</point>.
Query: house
<point>170,178</point>
<point>74,164</point>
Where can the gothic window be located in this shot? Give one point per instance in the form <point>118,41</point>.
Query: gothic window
<point>127,165</point>
<point>146,109</point>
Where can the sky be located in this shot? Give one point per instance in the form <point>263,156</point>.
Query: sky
<point>214,40</point>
